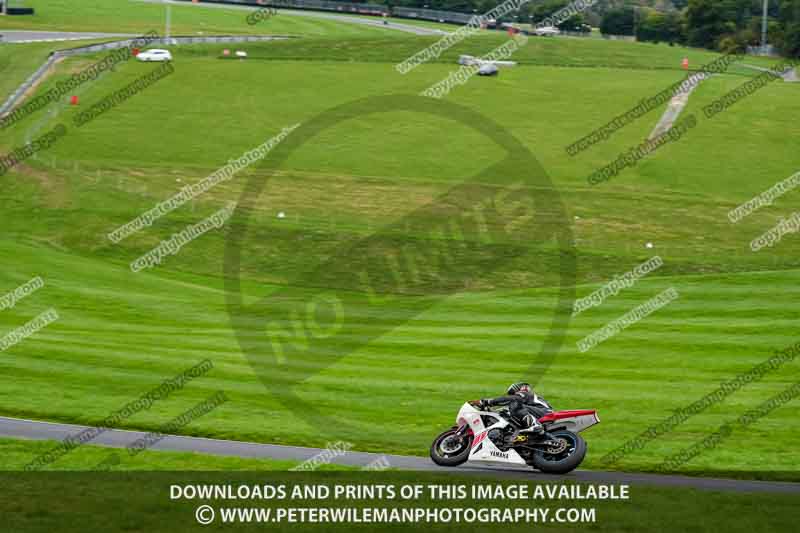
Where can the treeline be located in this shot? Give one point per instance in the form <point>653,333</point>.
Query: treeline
<point>529,13</point>
<point>723,25</point>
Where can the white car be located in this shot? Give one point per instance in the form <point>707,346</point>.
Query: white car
<point>154,55</point>
<point>547,31</point>
<point>487,69</point>
<point>471,60</point>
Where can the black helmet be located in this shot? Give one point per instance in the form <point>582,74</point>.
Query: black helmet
<point>519,387</point>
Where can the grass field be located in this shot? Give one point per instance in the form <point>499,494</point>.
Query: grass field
<point>120,334</point>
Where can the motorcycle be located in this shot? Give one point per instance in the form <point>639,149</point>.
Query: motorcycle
<point>490,437</point>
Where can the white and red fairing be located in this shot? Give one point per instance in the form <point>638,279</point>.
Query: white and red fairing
<point>574,421</point>
<point>484,450</point>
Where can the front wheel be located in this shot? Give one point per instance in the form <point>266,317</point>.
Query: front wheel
<point>563,457</point>
<point>451,449</point>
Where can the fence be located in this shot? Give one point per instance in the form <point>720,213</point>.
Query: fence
<point>631,38</point>
<point>16,10</point>
<point>767,50</point>
<point>576,33</point>
<point>30,82</point>
<point>59,54</point>
<point>435,15</point>
<point>431,14</point>
<point>317,5</point>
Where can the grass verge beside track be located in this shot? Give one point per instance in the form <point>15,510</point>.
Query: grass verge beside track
<point>16,453</point>
<point>121,334</point>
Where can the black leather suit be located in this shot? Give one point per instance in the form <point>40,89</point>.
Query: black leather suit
<point>522,405</point>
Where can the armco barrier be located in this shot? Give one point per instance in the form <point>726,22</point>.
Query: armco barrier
<point>17,10</point>
<point>431,14</point>
<point>22,89</point>
<point>34,78</point>
<point>435,15</point>
<point>313,5</point>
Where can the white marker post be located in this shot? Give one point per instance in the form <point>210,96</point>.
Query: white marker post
<point>168,22</point>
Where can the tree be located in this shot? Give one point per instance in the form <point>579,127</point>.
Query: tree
<point>545,9</point>
<point>618,22</point>
<point>660,27</point>
<point>575,23</point>
<point>651,27</point>
<point>791,41</point>
<point>675,28</point>
<point>738,12</point>
<point>789,33</point>
<point>705,23</point>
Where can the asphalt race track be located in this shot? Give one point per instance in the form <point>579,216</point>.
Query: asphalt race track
<point>30,429</point>
<point>364,21</point>
<point>25,36</point>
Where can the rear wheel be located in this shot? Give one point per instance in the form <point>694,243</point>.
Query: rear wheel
<point>451,449</point>
<point>563,457</point>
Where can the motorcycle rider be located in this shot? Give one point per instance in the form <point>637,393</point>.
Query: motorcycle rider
<point>524,406</point>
